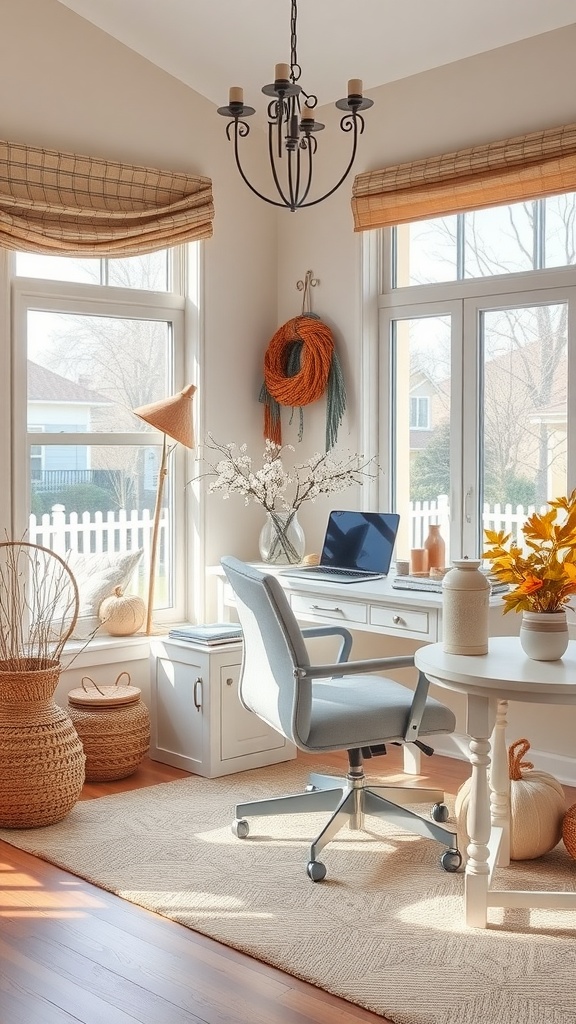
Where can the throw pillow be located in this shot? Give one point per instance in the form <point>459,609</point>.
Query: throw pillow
<point>97,575</point>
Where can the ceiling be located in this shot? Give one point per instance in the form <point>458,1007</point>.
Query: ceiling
<point>213,44</point>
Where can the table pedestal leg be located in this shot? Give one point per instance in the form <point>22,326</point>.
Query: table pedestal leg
<point>480,719</point>
<point>500,784</point>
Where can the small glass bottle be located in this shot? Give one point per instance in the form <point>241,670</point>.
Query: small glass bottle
<point>465,603</point>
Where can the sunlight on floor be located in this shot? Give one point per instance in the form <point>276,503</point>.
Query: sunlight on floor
<point>65,901</point>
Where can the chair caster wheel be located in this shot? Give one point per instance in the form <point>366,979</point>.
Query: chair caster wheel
<point>240,828</point>
<point>316,870</point>
<point>451,860</point>
<point>440,812</point>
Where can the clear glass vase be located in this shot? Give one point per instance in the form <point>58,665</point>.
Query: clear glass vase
<point>282,539</point>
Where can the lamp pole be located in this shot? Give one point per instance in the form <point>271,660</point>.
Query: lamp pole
<point>162,474</point>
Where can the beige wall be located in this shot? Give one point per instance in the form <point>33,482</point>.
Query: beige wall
<point>67,85</point>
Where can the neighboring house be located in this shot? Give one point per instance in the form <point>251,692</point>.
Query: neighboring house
<point>55,405</point>
<point>429,408</point>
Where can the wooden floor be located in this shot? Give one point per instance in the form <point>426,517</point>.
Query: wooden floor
<point>71,953</point>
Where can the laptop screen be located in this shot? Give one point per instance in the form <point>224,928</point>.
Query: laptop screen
<point>360,540</point>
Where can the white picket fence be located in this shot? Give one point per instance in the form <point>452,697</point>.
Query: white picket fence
<point>102,532</point>
<point>129,531</point>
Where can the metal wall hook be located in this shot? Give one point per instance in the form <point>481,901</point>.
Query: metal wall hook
<point>304,286</point>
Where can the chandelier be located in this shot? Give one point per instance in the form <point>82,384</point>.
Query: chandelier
<point>292,129</point>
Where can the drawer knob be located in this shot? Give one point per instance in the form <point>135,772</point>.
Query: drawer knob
<point>398,620</point>
<point>229,681</point>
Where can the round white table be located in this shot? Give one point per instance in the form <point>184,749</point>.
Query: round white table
<point>489,681</point>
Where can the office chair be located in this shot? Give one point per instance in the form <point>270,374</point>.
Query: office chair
<point>332,707</point>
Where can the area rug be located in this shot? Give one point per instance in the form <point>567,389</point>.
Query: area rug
<point>385,930</point>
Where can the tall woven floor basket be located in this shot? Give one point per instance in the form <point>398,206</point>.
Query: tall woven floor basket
<point>41,755</point>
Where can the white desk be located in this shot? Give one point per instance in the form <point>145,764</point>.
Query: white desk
<point>371,607</point>
<point>489,682</point>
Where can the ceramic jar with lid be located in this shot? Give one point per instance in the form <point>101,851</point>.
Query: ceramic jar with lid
<point>465,601</point>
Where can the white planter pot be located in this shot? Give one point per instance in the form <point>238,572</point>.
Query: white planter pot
<point>544,635</point>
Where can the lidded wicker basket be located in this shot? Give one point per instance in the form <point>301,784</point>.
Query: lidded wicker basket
<point>114,726</point>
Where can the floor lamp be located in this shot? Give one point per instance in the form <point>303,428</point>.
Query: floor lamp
<point>173,416</point>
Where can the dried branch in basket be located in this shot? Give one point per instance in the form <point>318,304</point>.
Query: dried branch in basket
<point>39,604</point>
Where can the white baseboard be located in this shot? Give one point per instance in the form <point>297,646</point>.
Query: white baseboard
<point>560,766</point>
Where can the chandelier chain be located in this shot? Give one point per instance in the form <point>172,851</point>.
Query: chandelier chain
<point>293,40</point>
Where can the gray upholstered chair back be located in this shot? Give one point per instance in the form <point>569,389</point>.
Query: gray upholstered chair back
<point>273,646</point>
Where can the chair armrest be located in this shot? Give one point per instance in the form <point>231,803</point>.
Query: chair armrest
<point>377,665</point>
<point>354,667</point>
<point>345,634</point>
<point>417,709</point>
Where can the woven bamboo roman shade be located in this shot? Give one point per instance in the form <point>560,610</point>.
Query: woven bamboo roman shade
<point>69,205</point>
<point>527,167</point>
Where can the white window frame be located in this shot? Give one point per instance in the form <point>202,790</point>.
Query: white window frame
<point>463,301</point>
<point>178,309</point>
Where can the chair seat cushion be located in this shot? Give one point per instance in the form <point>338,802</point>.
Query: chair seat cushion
<point>357,710</point>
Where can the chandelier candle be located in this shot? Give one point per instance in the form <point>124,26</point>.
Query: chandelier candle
<point>282,74</point>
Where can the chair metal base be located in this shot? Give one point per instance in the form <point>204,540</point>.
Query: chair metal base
<point>350,799</point>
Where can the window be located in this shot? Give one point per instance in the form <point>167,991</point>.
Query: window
<point>477,315</point>
<point>420,412</point>
<point>485,243</point>
<point>93,340</point>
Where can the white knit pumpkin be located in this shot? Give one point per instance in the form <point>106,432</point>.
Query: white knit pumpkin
<point>122,614</point>
<point>537,807</point>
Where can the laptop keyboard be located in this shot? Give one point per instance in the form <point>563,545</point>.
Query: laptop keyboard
<point>330,570</point>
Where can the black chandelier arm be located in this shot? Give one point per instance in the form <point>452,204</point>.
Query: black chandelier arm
<point>353,127</point>
<point>349,123</point>
<point>352,122</point>
<point>310,153</point>
<point>286,201</point>
<point>272,202</point>
<point>293,186</point>
<point>241,129</point>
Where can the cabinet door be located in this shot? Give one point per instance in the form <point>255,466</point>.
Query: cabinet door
<point>178,715</point>
<point>241,732</point>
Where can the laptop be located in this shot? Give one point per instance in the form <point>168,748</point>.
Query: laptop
<point>357,547</point>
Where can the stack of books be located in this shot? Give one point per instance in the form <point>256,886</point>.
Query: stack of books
<point>210,633</point>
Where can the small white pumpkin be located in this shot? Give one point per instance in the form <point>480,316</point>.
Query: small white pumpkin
<point>122,614</point>
<point>537,807</point>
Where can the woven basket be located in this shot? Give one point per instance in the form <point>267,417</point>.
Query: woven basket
<point>569,830</point>
<point>41,756</point>
<point>114,726</point>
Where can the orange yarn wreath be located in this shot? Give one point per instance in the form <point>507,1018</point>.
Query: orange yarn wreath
<point>300,365</point>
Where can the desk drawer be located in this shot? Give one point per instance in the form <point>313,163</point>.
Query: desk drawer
<point>329,608</point>
<point>405,621</point>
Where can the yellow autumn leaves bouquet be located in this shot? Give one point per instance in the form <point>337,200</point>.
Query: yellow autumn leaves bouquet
<point>543,572</point>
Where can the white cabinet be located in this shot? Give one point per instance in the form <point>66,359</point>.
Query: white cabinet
<point>197,720</point>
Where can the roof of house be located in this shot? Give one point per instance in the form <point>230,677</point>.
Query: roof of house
<point>46,386</point>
